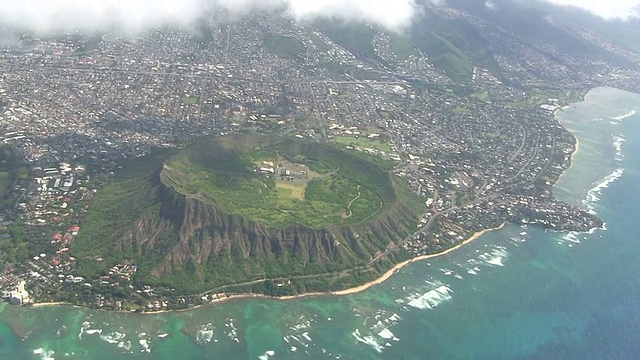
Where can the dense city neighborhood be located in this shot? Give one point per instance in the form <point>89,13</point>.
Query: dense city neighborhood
<point>479,152</point>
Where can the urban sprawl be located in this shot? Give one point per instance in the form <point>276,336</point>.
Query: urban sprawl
<point>479,152</point>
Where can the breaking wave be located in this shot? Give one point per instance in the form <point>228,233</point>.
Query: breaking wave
<point>617,144</point>
<point>624,116</point>
<point>593,195</point>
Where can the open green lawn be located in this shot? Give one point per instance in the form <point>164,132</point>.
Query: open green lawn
<point>189,100</point>
<point>385,115</point>
<point>461,110</point>
<point>286,47</point>
<point>292,190</point>
<point>259,156</point>
<point>364,142</point>
<point>482,95</point>
<point>540,93</point>
<point>285,199</point>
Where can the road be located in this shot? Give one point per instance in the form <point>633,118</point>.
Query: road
<point>428,225</point>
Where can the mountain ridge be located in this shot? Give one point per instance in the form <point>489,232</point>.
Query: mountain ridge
<point>178,239</point>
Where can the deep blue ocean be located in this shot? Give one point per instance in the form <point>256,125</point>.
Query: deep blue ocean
<point>515,293</point>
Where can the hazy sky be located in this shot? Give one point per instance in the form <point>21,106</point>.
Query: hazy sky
<point>608,9</point>
<point>137,15</point>
<point>134,15</point>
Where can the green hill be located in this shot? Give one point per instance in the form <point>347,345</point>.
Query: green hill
<point>212,214</point>
<point>281,184</point>
<point>453,46</point>
<point>286,47</point>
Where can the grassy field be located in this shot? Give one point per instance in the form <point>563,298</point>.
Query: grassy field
<point>286,47</point>
<point>189,100</point>
<point>333,67</point>
<point>258,156</point>
<point>461,110</point>
<point>364,142</point>
<point>384,114</point>
<point>321,199</point>
<point>401,46</point>
<point>294,190</point>
<point>482,95</point>
<point>540,93</point>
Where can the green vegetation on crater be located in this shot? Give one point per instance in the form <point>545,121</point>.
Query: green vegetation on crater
<point>15,245</point>
<point>208,218</point>
<point>281,184</point>
<point>130,195</point>
<point>364,143</point>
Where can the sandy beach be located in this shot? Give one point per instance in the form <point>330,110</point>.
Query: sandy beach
<point>577,146</point>
<point>366,286</point>
<point>349,291</point>
<point>399,266</point>
<point>575,151</point>
<point>48,304</point>
<point>564,108</point>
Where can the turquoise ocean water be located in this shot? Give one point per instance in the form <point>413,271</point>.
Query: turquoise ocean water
<point>516,293</point>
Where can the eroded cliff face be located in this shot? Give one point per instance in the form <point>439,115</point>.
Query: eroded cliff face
<point>182,232</point>
<point>180,237</point>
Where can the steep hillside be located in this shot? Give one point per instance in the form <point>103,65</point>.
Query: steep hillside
<point>453,46</point>
<point>193,241</point>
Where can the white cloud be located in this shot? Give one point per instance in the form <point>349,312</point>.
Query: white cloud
<point>607,9</point>
<point>137,15</point>
<point>491,5</point>
<point>388,13</point>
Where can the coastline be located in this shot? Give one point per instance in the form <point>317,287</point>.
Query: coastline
<point>52,303</point>
<point>555,115</point>
<point>576,148</point>
<point>349,291</point>
<point>395,268</point>
<point>354,290</point>
<point>577,145</point>
<point>575,151</point>
<point>399,266</point>
<point>530,271</point>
